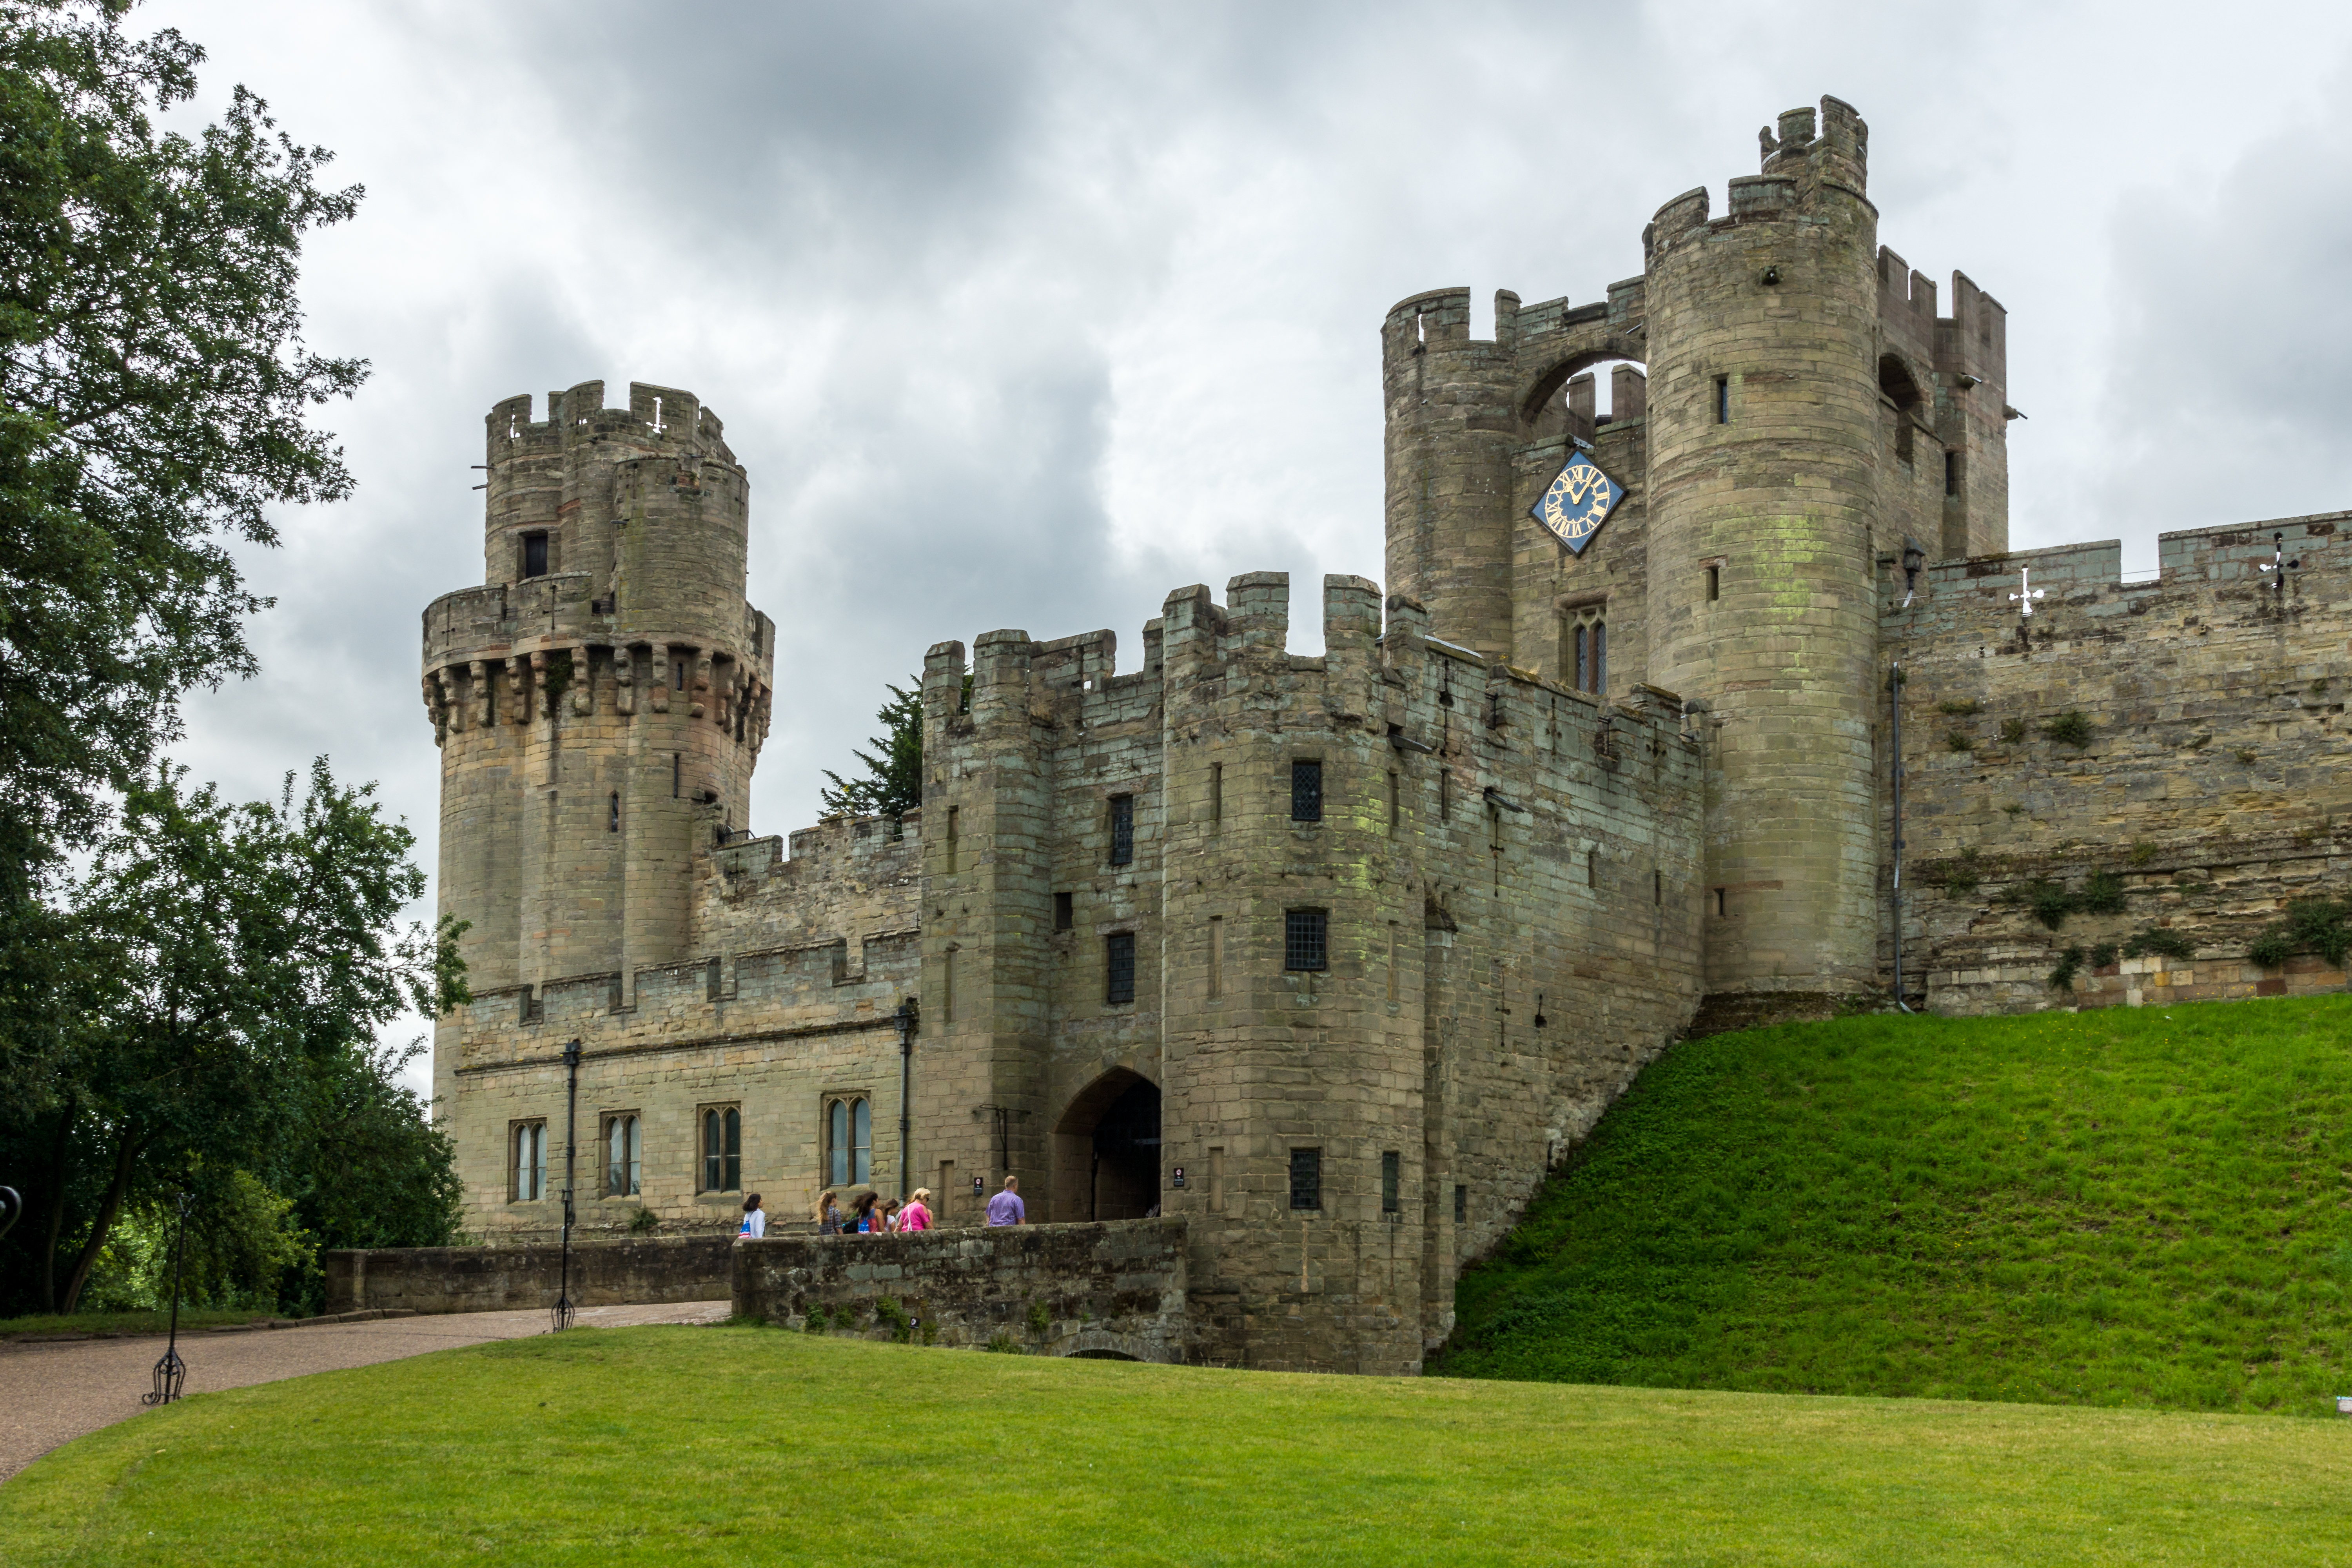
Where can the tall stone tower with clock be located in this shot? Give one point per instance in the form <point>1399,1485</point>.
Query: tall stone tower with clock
<point>1789,414</point>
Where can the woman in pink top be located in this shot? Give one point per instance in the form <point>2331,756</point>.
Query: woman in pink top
<point>917,1215</point>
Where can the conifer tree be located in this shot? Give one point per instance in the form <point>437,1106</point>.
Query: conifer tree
<point>893,784</point>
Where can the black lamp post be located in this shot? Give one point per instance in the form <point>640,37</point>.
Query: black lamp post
<point>562,1311</point>
<point>905,1020</point>
<point>171,1372</point>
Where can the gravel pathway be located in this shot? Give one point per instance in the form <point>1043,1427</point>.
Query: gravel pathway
<point>51,1394</point>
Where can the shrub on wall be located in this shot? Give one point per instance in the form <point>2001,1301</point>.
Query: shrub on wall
<point>2071,728</point>
<point>2164,944</point>
<point>2312,925</point>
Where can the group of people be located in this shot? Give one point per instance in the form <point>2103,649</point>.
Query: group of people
<point>869,1214</point>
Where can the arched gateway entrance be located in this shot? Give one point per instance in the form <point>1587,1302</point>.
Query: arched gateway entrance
<point>1106,1149</point>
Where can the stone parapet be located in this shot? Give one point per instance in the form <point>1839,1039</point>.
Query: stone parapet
<point>1114,1289</point>
<point>505,1278</point>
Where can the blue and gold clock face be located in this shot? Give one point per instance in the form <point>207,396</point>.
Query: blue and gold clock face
<point>1579,501</point>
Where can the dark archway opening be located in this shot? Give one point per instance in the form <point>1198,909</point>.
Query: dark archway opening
<point>1125,1174</point>
<point>1106,1150</point>
<point>1101,1355</point>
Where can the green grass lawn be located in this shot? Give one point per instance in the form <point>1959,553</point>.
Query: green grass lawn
<point>2130,1206</point>
<point>755,1446</point>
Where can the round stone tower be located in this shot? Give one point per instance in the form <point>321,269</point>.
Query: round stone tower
<point>1450,433</point>
<point>600,701</point>
<point>1764,430</point>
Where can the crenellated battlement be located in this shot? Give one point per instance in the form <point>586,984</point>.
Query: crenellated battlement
<point>658,419</point>
<point>1806,157</point>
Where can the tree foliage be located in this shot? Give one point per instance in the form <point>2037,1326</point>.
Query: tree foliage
<point>233,966</point>
<point>893,784</point>
<point>153,383</point>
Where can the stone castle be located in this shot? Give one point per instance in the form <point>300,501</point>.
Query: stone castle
<point>1331,958</point>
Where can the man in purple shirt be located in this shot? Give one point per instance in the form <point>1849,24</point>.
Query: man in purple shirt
<point>1005,1207</point>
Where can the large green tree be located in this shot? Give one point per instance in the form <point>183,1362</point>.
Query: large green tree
<point>153,384</point>
<point>234,965</point>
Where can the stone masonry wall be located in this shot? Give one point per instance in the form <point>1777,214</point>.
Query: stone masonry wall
<point>1508,871</point>
<point>503,1278</point>
<point>2212,778</point>
<point>787,1006</point>
<point>1112,1289</point>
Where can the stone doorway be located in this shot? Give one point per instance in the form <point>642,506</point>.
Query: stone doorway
<point>1106,1149</point>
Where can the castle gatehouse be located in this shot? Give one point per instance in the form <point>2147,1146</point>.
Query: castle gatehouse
<point>1332,957</point>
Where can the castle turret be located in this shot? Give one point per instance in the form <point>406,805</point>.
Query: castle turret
<point>1765,434</point>
<point>601,698</point>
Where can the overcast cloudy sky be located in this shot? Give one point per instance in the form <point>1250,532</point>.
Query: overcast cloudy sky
<point>1021,315</point>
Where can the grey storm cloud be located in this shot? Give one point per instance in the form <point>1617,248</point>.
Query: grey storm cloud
<point>1021,315</point>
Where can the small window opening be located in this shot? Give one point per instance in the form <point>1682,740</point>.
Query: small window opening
<point>624,1154</point>
<point>1119,968</point>
<point>1065,916</point>
<point>1393,805</point>
<point>1391,1172</point>
<point>1951,473</point>
<point>676,773</point>
<point>722,1149</point>
<point>1305,939</point>
<point>849,1140</point>
<point>677,675</point>
<point>1305,792</point>
<point>1714,584</point>
<point>1592,868</point>
<point>1216,955</point>
<point>1122,829</point>
<point>534,555</point>
<point>1460,1205</point>
<point>1721,902</point>
<point>1591,654</point>
<point>530,1162</point>
<point>1216,792</point>
<point>1306,1178</point>
<point>613,814</point>
<point>1723,400</point>
<point>1658,886</point>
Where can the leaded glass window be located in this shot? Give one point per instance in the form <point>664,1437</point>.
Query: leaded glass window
<point>1305,939</point>
<point>1122,829</point>
<point>1306,1178</point>
<point>1119,967</point>
<point>1307,792</point>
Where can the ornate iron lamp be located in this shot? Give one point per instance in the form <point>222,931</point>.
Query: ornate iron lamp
<point>171,1371</point>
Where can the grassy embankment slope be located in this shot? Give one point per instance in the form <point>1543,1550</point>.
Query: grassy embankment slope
<point>2147,1206</point>
<point>664,1446</point>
